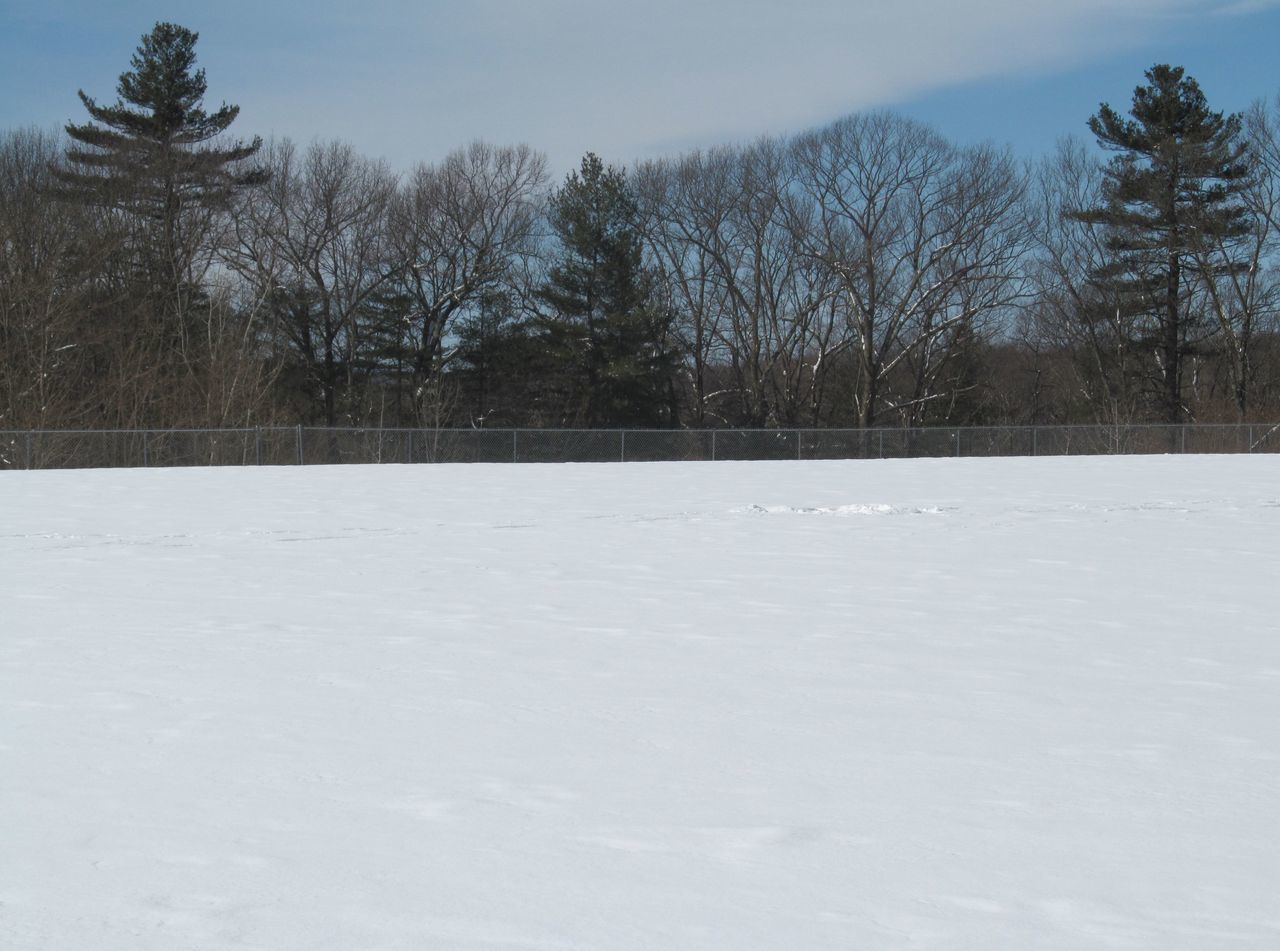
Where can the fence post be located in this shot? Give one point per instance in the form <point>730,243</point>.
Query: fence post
<point>1250,438</point>
<point>881,435</point>
<point>31,459</point>
<point>957,444</point>
<point>257,445</point>
<point>515,435</point>
<point>713,445</point>
<point>1035,440</point>
<point>299,434</point>
<point>1183,439</point>
<point>146,448</point>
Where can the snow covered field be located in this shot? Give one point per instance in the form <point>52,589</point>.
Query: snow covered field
<point>958,704</point>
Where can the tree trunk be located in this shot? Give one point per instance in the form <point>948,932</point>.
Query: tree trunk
<point>1172,345</point>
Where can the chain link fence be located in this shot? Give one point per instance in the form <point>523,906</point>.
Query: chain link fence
<point>304,445</point>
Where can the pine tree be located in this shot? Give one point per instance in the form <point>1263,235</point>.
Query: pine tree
<point>604,325</point>
<point>1170,195</point>
<point>153,157</point>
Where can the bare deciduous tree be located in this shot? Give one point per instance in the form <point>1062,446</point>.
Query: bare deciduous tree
<point>924,241</point>
<point>44,287</point>
<point>460,231</point>
<point>727,231</point>
<point>1070,313</point>
<point>313,244</point>
<point>1246,300</point>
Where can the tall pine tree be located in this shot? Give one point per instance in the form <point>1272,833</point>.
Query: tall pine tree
<point>1171,194</point>
<point>154,157</point>
<point>610,338</point>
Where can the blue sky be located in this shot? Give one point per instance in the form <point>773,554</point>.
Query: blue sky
<point>409,81</point>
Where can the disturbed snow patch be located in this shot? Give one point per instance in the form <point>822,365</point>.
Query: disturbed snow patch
<point>840,510</point>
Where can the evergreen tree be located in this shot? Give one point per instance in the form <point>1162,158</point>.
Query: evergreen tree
<point>1171,194</point>
<point>153,156</point>
<point>609,337</point>
<point>503,367</point>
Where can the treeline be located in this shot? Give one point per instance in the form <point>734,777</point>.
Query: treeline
<point>154,272</point>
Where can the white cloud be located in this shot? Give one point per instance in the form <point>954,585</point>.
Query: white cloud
<point>411,79</point>
<point>629,79</point>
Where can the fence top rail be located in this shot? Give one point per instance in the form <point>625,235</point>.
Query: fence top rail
<point>135,432</point>
<point>782,430</point>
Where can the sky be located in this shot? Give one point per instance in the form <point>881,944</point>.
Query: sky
<point>410,81</point>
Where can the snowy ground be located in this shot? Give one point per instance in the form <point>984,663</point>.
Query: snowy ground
<point>958,704</point>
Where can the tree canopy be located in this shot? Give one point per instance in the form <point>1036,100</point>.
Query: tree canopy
<point>1172,192</point>
<point>153,150</point>
<point>603,315</point>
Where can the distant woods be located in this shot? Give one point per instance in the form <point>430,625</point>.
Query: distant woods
<point>156,271</point>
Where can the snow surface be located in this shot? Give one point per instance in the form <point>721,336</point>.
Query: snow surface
<point>957,704</point>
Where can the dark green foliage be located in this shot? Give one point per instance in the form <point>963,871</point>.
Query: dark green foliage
<point>503,369</point>
<point>608,336</point>
<point>150,149</point>
<point>152,156</point>
<point>1172,195</point>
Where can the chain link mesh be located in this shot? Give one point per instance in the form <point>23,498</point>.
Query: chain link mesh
<point>302,445</point>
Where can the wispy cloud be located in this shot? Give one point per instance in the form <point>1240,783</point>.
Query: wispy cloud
<point>412,79</point>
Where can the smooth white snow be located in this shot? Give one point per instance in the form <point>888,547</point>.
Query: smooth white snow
<point>955,704</point>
